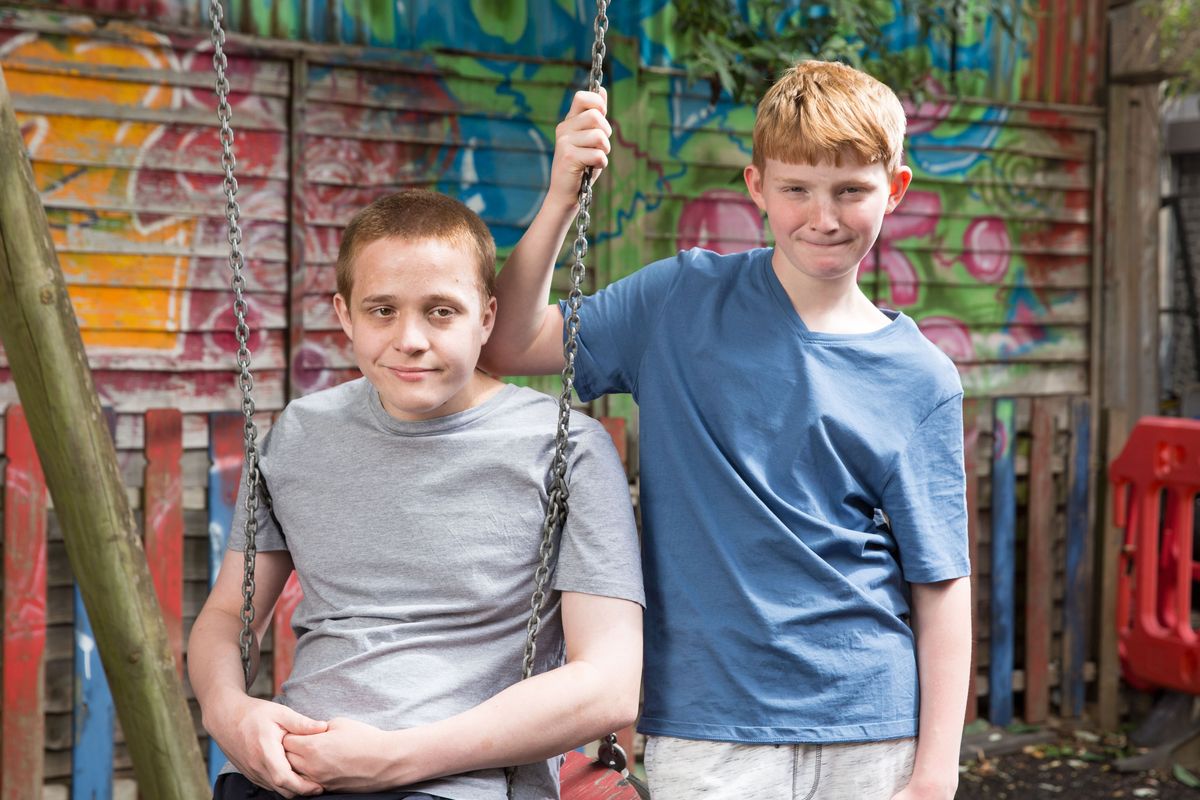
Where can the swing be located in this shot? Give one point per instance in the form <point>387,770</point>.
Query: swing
<point>580,778</point>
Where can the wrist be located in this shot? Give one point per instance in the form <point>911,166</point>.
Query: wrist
<point>562,202</point>
<point>405,766</point>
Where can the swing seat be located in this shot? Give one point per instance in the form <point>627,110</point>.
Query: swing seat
<point>583,778</point>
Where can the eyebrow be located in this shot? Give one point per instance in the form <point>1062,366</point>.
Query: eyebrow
<point>390,299</point>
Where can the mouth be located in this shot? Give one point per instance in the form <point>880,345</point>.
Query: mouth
<point>825,245</point>
<point>410,374</point>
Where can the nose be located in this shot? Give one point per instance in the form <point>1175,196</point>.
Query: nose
<point>409,335</point>
<point>824,218</point>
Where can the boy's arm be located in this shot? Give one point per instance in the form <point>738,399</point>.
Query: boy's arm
<point>249,731</point>
<point>942,624</point>
<point>527,338</point>
<point>593,693</point>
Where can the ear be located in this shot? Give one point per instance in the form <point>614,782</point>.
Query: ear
<point>897,188</point>
<point>489,319</point>
<point>343,315</point>
<point>754,184</point>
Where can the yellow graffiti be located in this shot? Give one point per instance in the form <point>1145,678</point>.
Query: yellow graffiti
<point>128,267</point>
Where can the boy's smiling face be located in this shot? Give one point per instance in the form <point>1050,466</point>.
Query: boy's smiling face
<point>417,320</point>
<point>824,217</point>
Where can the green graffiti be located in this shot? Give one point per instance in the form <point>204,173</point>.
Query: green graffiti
<point>504,19</point>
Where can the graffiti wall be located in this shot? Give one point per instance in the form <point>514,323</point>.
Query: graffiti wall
<point>991,252</point>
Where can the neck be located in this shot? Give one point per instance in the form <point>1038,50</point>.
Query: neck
<point>836,305</point>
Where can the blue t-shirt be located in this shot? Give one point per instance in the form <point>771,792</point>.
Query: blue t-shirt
<point>792,484</point>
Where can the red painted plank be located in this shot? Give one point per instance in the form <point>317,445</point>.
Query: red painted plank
<point>617,429</point>
<point>970,444</point>
<point>1039,564</point>
<point>582,778</point>
<point>25,503</point>
<point>285,637</point>
<point>164,519</point>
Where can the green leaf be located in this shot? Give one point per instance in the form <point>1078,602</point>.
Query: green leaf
<point>1184,776</point>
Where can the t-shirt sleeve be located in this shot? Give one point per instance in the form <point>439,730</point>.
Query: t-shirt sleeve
<point>615,326</point>
<point>269,535</point>
<point>599,553</point>
<point>925,498</point>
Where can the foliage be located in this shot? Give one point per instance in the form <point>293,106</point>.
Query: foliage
<point>1179,23</point>
<point>740,47</point>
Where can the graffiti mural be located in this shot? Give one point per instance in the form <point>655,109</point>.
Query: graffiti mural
<point>990,253</point>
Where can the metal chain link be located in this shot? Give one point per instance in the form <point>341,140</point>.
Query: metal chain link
<point>557,503</point>
<point>241,331</point>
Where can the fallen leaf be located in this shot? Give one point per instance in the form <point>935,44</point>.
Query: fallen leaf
<point>1184,776</point>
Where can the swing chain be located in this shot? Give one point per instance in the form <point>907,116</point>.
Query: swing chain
<point>557,505</point>
<point>241,331</point>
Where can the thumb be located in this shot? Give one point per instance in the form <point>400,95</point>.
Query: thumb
<point>295,722</point>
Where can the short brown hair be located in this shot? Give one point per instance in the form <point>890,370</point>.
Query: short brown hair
<point>823,112</point>
<point>417,214</point>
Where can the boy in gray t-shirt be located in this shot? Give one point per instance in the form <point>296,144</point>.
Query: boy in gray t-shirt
<point>410,504</point>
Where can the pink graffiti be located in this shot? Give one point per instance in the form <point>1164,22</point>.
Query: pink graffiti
<point>720,220</point>
<point>950,335</point>
<point>916,218</point>
<point>927,115</point>
<point>987,249</point>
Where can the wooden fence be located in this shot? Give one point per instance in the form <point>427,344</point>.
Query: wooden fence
<point>1028,495</point>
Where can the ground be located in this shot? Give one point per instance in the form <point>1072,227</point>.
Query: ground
<point>1072,764</point>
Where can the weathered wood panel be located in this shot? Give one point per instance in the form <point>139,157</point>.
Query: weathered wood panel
<point>25,503</point>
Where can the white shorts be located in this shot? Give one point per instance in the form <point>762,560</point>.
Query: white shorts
<point>685,769</point>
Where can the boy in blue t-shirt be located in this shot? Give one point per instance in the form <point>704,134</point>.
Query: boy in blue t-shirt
<point>808,617</point>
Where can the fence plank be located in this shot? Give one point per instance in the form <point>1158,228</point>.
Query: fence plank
<point>970,459</point>
<point>92,747</point>
<point>164,519</point>
<point>1004,543</point>
<point>93,711</point>
<point>285,637</point>
<point>226,454</point>
<point>25,503</point>
<point>1039,563</point>
<point>1078,566</point>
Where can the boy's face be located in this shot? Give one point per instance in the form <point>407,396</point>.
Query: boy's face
<point>417,320</point>
<point>825,218</point>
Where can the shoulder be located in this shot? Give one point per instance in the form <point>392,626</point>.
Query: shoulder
<point>325,408</point>
<point>700,263</point>
<point>529,407</point>
<point>927,364</point>
<point>687,267</point>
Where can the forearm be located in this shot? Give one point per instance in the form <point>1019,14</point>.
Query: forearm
<point>530,721</point>
<point>523,288</point>
<point>214,659</point>
<point>942,615</point>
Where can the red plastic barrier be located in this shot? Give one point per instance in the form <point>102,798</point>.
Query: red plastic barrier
<point>1156,480</point>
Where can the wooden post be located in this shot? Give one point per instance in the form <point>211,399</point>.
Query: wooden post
<point>49,367</point>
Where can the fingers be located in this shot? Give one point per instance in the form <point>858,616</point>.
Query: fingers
<point>584,100</point>
<point>284,776</point>
<point>294,722</point>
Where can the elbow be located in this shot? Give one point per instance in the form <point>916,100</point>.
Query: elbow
<point>620,702</point>
<point>492,360</point>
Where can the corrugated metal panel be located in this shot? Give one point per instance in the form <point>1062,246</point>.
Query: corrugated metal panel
<point>124,146</point>
<point>990,252</point>
<point>443,124</point>
<point>550,28</point>
<point>1059,60</point>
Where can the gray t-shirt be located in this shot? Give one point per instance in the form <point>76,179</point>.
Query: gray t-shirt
<point>416,543</point>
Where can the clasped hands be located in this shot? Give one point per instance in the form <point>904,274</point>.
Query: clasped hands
<point>293,755</point>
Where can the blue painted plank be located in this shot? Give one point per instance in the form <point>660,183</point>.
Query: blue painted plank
<point>92,749</point>
<point>1075,602</point>
<point>93,710</point>
<point>1004,549</point>
<point>225,468</point>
